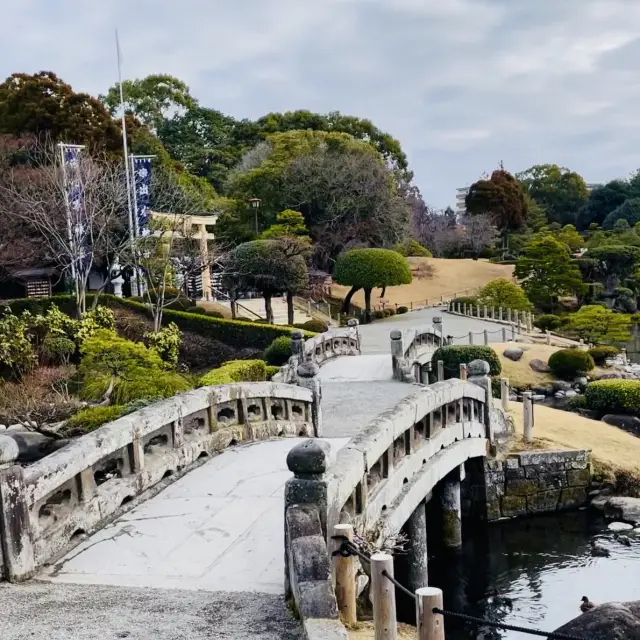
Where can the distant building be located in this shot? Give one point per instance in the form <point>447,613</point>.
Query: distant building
<point>461,194</point>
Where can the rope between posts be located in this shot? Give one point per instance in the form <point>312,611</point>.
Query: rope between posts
<point>348,548</point>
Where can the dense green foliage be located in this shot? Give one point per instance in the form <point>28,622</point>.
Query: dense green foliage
<point>628,211</point>
<point>546,270</point>
<point>278,352</point>
<point>271,371</point>
<point>569,363</point>
<point>462,300</point>
<point>89,419</point>
<point>548,322</point>
<point>455,355</point>
<point>614,396</point>
<point>57,349</point>
<point>412,248</point>
<point>313,326</point>
<point>602,353</point>
<point>596,324</point>
<point>504,293</point>
<point>368,269</point>
<point>402,309</point>
<point>236,371</point>
<point>166,343</point>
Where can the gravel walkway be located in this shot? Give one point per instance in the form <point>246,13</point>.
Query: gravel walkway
<point>70,612</point>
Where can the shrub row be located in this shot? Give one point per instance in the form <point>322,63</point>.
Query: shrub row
<point>614,396</point>
<point>601,354</point>
<point>230,332</point>
<point>455,355</point>
<point>236,371</point>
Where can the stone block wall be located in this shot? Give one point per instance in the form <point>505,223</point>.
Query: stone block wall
<point>529,483</point>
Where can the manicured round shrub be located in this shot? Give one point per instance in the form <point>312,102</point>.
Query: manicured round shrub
<point>279,351</point>
<point>401,310</point>
<point>455,355</point>
<point>569,363</point>
<point>601,354</point>
<point>315,326</point>
<point>548,322</point>
<point>614,396</point>
<point>57,349</point>
<point>389,312</point>
<point>89,419</point>
<point>236,371</point>
<point>412,248</point>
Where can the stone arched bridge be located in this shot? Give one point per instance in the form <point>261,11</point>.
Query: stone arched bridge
<point>118,506</point>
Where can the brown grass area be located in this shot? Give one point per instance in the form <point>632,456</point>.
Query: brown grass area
<point>520,374</point>
<point>449,277</point>
<point>554,429</point>
<point>366,631</point>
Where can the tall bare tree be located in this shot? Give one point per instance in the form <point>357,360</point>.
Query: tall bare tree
<point>77,212</point>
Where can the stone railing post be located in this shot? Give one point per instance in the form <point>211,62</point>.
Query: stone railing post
<point>478,374</point>
<point>516,317</point>
<point>307,564</point>
<point>397,353</point>
<point>470,337</point>
<point>297,345</point>
<point>530,321</point>
<point>307,378</point>
<point>440,370</point>
<point>493,313</point>
<point>513,332</point>
<point>500,313</point>
<point>504,393</point>
<point>527,410</point>
<point>463,371</point>
<point>485,311</point>
<point>509,314</point>
<point>486,336</point>
<point>464,308</point>
<point>16,537</point>
<point>504,334</point>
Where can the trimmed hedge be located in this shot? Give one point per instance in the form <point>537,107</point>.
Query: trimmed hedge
<point>548,322</point>
<point>402,310</point>
<point>465,300</point>
<point>230,332</point>
<point>455,355</point>
<point>614,396</point>
<point>279,351</point>
<point>236,371</point>
<point>569,363</point>
<point>600,354</point>
<point>271,371</point>
<point>315,326</point>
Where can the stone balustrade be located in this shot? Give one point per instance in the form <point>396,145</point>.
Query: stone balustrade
<point>46,507</point>
<point>521,320</point>
<point>320,349</point>
<point>378,479</point>
<point>412,350</point>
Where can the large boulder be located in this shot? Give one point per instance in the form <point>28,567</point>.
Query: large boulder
<point>539,366</point>
<point>611,621</point>
<point>513,353</point>
<point>619,508</point>
<point>33,446</point>
<point>628,423</point>
<point>561,385</point>
<point>8,450</point>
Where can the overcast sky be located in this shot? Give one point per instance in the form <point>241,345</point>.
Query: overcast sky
<point>462,83</point>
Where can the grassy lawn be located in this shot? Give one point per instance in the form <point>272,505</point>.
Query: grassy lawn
<point>435,277</point>
<point>520,374</point>
<point>611,447</point>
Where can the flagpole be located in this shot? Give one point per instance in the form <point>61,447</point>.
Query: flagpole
<point>134,281</point>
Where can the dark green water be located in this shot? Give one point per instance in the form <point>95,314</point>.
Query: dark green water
<point>544,564</point>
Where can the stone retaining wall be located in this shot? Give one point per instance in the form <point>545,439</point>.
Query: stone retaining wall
<point>534,482</point>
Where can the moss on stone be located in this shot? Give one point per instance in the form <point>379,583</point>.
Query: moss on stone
<point>451,528</point>
<point>519,487</point>
<point>573,497</point>
<point>578,477</point>
<point>512,506</point>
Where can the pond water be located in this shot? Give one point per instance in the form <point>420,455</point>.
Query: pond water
<point>543,564</point>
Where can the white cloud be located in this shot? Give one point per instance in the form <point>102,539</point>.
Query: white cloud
<point>462,83</point>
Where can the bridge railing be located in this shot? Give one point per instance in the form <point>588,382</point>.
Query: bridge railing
<point>521,320</point>
<point>377,480</point>
<point>46,507</point>
<point>320,349</point>
<point>410,350</point>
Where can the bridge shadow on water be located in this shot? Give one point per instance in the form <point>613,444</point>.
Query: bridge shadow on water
<point>543,565</point>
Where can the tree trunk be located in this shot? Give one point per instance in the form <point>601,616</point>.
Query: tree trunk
<point>268,308</point>
<point>290,309</point>
<point>234,308</point>
<point>384,290</point>
<point>367,305</point>
<point>346,305</point>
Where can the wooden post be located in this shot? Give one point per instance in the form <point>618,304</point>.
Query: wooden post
<point>345,571</point>
<point>430,624</point>
<point>440,370</point>
<point>527,402</point>
<point>463,371</point>
<point>470,337</point>
<point>504,393</point>
<point>486,337</point>
<point>384,598</point>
